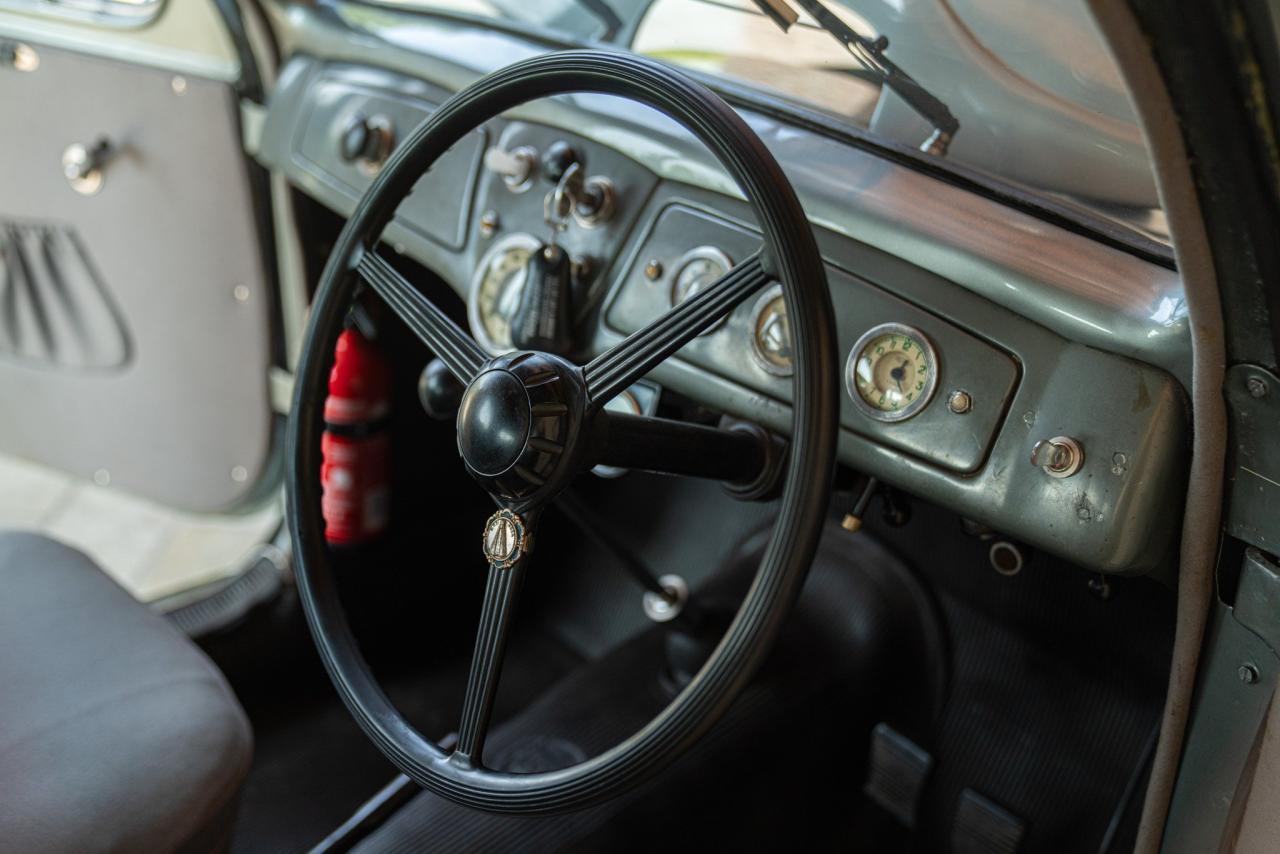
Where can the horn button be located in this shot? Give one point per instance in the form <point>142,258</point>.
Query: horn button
<point>516,422</point>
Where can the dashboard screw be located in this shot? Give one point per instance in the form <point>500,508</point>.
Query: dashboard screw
<point>1257,387</point>
<point>653,270</point>
<point>1248,674</point>
<point>488,223</point>
<point>1119,463</point>
<point>960,402</point>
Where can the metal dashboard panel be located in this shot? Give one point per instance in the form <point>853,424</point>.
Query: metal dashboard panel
<point>439,205</point>
<point>957,443</point>
<point>1119,513</point>
<point>1030,379</point>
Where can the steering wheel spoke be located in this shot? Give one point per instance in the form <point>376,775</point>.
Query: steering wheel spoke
<point>506,541</point>
<point>459,352</point>
<point>610,373</point>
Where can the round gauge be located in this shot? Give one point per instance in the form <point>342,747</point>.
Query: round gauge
<point>771,333</point>
<point>892,372</point>
<point>496,287</point>
<point>695,270</point>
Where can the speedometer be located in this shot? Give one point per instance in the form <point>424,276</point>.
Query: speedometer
<point>496,288</point>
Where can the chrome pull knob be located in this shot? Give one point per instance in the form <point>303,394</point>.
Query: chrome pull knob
<point>517,167</point>
<point>82,165</point>
<point>1060,456</point>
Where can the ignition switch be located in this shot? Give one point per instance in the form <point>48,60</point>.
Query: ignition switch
<point>1060,456</point>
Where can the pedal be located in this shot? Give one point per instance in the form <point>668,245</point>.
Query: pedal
<point>897,773</point>
<point>984,827</point>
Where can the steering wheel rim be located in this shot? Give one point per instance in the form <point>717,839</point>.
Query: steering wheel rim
<point>795,262</point>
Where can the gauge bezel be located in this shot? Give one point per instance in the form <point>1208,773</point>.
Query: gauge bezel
<point>516,240</point>
<point>771,293</point>
<point>891,416</point>
<point>698,253</point>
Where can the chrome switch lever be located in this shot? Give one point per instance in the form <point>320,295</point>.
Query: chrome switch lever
<point>83,165</point>
<point>1060,456</point>
<point>517,167</point>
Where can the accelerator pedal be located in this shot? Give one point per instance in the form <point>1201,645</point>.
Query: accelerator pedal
<point>984,827</point>
<point>897,773</point>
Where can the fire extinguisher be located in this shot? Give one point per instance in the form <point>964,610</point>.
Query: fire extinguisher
<point>355,446</point>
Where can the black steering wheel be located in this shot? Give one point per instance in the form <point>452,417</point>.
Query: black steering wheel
<point>529,422</point>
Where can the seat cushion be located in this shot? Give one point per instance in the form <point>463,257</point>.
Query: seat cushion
<point>116,732</point>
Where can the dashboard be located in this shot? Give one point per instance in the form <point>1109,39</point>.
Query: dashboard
<point>1026,377</point>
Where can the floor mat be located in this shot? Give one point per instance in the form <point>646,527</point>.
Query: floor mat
<point>762,779</point>
<point>1054,690</point>
<point>313,766</point>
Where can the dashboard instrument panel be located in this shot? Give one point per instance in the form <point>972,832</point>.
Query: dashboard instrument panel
<point>995,357</point>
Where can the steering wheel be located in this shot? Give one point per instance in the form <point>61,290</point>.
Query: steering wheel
<point>529,422</point>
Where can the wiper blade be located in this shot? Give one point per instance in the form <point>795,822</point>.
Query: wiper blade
<point>870,55</point>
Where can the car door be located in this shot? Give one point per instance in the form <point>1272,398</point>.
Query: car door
<point>136,299</point>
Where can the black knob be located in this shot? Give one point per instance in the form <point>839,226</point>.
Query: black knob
<point>439,391</point>
<point>356,139</point>
<point>367,139</point>
<point>516,423</point>
<point>544,319</point>
<point>557,159</point>
<point>493,422</point>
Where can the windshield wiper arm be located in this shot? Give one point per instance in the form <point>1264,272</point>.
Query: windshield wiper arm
<point>870,54</point>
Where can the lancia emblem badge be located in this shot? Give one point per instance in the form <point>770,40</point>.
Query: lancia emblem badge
<point>504,539</point>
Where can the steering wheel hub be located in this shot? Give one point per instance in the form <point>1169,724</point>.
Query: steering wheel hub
<point>518,421</point>
<point>493,422</point>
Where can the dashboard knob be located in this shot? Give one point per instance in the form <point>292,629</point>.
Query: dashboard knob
<point>517,167</point>
<point>367,140</point>
<point>559,156</point>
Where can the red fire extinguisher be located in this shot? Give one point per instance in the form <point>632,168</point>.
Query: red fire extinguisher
<point>355,446</point>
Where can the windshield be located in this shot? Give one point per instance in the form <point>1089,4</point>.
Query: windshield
<point>1037,96</point>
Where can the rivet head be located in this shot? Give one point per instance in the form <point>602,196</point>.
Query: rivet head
<point>1119,463</point>
<point>1257,387</point>
<point>241,293</point>
<point>239,474</point>
<point>178,84</point>
<point>488,223</point>
<point>960,402</point>
<point>653,270</point>
<point>1248,674</point>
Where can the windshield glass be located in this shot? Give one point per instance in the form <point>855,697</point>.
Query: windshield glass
<point>1038,98</point>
